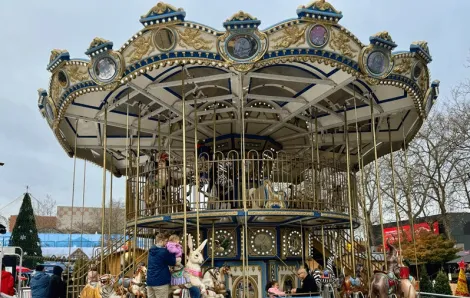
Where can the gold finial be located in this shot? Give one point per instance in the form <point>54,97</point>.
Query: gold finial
<point>161,8</point>
<point>423,44</point>
<point>98,41</point>
<point>384,35</point>
<point>241,16</point>
<point>56,53</point>
<point>322,5</point>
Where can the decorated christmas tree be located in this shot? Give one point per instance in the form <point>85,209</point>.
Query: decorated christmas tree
<point>25,234</point>
<point>462,289</point>
<point>442,285</point>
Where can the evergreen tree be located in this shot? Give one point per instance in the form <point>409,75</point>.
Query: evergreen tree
<point>25,234</point>
<point>442,285</point>
<point>425,284</point>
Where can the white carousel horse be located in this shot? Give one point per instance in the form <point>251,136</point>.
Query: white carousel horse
<point>274,199</point>
<point>211,279</point>
<point>136,285</point>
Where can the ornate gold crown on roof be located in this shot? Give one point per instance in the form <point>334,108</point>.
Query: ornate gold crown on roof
<point>162,11</point>
<point>241,19</point>
<point>319,9</point>
<point>241,16</point>
<point>56,53</point>
<point>422,48</point>
<point>383,35</point>
<point>322,5</point>
<point>56,58</point>
<point>97,41</point>
<point>99,45</point>
<point>383,39</point>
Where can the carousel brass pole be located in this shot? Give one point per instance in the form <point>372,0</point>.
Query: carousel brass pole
<point>366,216</point>
<point>213,244</point>
<point>408,200</point>
<point>315,183</point>
<point>103,200</point>
<point>127,170</point>
<point>110,200</point>
<point>73,198</point>
<point>348,173</point>
<point>136,204</point>
<point>83,202</point>
<point>302,243</point>
<point>313,161</point>
<point>185,225</point>
<point>377,182</point>
<point>362,196</point>
<point>196,172</point>
<point>394,189</point>
<point>245,207</point>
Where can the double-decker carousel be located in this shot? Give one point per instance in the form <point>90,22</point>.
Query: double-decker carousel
<point>252,139</point>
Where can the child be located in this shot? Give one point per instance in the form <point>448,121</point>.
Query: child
<point>274,290</point>
<point>173,245</point>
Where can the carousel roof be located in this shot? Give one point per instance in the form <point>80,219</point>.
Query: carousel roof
<point>279,83</point>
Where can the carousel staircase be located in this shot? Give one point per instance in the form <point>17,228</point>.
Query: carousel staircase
<point>109,251</point>
<point>338,242</point>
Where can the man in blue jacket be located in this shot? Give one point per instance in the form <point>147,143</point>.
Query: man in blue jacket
<point>39,283</point>
<point>158,272</point>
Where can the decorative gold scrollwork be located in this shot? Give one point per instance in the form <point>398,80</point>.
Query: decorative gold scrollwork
<point>404,67</point>
<point>97,41</point>
<point>291,36</point>
<point>384,35</point>
<point>340,41</point>
<point>192,38</point>
<point>76,73</point>
<point>141,47</point>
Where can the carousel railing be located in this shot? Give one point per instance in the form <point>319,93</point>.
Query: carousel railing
<point>297,183</point>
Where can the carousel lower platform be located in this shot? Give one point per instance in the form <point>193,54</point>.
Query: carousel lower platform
<point>254,217</point>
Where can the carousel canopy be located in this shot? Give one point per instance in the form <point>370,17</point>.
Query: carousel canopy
<point>277,87</point>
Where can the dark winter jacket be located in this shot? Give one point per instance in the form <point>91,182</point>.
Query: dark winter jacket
<point>308,285</point>
<point>57,288</point>
<point>8,283</point>
<point>39,285</point>
<point>158,273</point>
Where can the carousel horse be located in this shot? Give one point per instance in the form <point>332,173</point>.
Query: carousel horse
<point>274,199</point>
<point>126,256</point>
<point>157,183</point>
<point>351,286</point>
<point>92,288</point>
<point>104,288</point>
<point>386,284</point>
<point>136,285</point>
<point>215,280</point>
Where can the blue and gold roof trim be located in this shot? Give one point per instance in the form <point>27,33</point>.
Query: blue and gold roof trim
<point>314,37</point>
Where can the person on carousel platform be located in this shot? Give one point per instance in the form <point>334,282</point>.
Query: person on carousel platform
<point>273,289</point>
<point>158,273</point>
<point>8,282</point>
<point>308,283</point>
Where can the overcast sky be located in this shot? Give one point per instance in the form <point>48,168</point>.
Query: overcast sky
<point>30,29</point>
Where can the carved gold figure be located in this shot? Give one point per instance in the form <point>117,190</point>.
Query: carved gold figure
<point>77,74</point>
<point>322,5</point>
<point>423,44</point>
<point>291,36</point>
<point>192,38</point>
<point>384,35</point>
<point>97,41</point>
<point>142,46</point>
<point>404,67</point>
<point>161,8</point>
<point>55,53</point>
<point>340,41</point>
<point>241,16</point>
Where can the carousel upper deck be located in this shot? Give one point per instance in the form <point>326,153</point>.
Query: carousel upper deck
<point>226,124</point>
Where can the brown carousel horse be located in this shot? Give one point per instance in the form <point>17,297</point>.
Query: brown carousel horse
<point>354,287</point>
<point>386,284</point>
